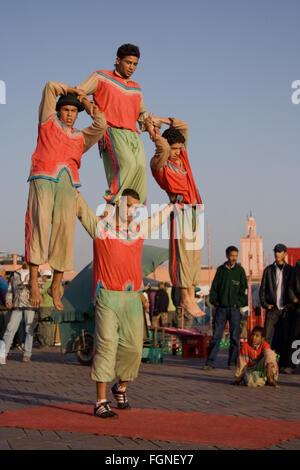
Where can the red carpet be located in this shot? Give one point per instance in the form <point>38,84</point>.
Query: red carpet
<point>226,431</point>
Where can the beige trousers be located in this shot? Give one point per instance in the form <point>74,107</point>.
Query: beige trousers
<point>51,203</point>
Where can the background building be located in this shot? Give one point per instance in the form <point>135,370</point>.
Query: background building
<point>252,255</point>
<point>293,255</point>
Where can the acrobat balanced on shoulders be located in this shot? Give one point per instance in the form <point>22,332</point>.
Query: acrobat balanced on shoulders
<point>53,180</point>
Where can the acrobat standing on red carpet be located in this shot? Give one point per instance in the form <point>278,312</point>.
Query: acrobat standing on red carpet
<point>117,272</point>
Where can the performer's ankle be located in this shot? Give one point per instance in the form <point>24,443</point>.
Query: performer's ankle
<point>99,402</point>
<point>121,388</point>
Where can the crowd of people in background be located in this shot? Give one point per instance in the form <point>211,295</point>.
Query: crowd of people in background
<point>163,307</point>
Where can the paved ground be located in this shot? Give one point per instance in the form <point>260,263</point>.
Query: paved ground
<point>176,384</point>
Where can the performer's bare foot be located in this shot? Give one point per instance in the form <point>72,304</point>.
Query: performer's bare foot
<point>55,294</point>
<point>192,308</point>
<point>35,297</point>
<point>188,302</point>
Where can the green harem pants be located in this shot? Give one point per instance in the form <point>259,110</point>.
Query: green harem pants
<point>119,330</point>
<point>124,163</point>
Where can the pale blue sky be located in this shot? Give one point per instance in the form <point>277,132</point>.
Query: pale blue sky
<point>224,66</point>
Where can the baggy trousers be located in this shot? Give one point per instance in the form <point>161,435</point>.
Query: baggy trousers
<point>119,331</point>
<point>51,202</point>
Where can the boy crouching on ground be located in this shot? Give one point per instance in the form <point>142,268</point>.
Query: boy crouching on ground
<point>257,364</point>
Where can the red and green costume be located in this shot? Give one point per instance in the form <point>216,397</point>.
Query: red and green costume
<point>121,148</point>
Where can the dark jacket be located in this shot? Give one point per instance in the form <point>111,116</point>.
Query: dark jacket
<point>294,288</point>
<point>229,287</point>
<point>267,291</point>
<point>161,302</point>
<point>176,296</point>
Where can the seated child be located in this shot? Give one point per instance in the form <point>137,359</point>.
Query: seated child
<point>257,364</point>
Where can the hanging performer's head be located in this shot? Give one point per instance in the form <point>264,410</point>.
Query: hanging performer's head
<point>68,108</point>
<point>176,141</point>
<point>127,60</point>
<point>127,205</point>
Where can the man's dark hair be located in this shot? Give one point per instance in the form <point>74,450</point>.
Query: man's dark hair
<point>173,136</point>
<point>260,330</point>
<point>131,192</point>
<point>128,49</point>
<point>230,249</point>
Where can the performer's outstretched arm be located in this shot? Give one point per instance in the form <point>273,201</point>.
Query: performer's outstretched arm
<point>86,215</point>
<point>92,223</point>
<point>153,223</point>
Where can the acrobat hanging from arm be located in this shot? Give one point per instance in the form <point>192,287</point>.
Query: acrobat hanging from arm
<point>171,169</point>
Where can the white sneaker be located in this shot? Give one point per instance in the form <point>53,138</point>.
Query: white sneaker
<point>2,360</point>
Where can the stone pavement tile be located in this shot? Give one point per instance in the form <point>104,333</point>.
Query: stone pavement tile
<point>273,448</point>
<point>88,441</point>
<point>290,445</point>
<point>49,435</point>
<point>83,445</point>
<point>33,434</point>
<point>4,445</point>
<point>71,436</point>
<point>183,446</point>
<point>7,433</point>
<point>224,448</point>
<point>40,435</point>
<point>29,444</point>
